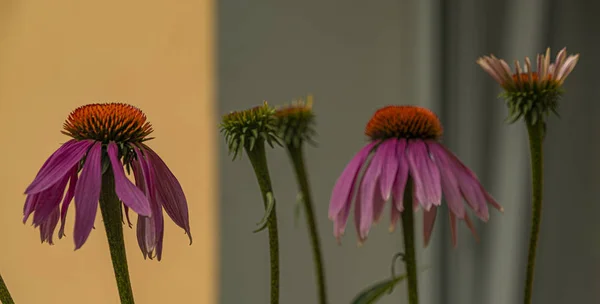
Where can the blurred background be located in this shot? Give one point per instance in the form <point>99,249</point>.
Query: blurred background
<point>185,64</point>
<point>356,56</point>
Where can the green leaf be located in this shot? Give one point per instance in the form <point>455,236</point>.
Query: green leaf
<point>373,293</point>
<point>265,220</point>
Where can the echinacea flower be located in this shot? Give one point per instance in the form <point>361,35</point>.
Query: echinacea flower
<point>404,145</point>
<point>106,137</point>
<point>531,94</point>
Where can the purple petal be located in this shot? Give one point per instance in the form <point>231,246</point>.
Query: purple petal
<point>67,201</point>
<point>389,167</point>
<point>87,194</point>
<point>471,227</point>
<point>425,174</point>
<point>48,200</point>
<point>59,164</point>
<point>30,204</point>
<point>343,190</point>
<point>401,175</point>
<point>378,205</point>
<point>339,222</point>
<point>358,216</point>
<point>169,191</point>
<point>145,177</point>
<point>49,225</point>
<point>368,187</point>
<point>449,181</point>
<point>428,221</point>
<point>129,194</point>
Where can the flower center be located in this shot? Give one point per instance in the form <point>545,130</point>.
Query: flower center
<point>108,122</point>
<point>404,122</point>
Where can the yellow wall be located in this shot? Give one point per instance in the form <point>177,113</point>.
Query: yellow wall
<point>157,55</point>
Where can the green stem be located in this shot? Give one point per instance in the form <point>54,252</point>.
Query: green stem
<point>258,158</point>
<point>110,206</point>
<point>297,157</point>
<point>408,229</point>
<point>536,137</point>
<point>5,297</point>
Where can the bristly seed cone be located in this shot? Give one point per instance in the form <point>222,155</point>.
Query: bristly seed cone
<point>404,122</point>
<point>242,129</point>
<point>118,122</point>
<point>295,123</point>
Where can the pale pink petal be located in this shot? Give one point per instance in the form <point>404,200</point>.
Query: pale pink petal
<point>129,194</point>
<point>471,227</point>
<point>428,221</point>
<point>87,194</point>
<point>425,174</point>
<point>343,190</point>
<point>401,175</point>
<point>449,181</point>
<point>368,188</point>
<point>567,68</point>
<point>389,167</point>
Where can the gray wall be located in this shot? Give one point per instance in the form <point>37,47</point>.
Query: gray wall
<point>356,56</point>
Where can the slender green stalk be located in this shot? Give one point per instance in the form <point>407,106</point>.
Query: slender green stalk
<point>110,206</point>
<point>536,137</point>
<point>408,229</point>
<point>5,297</point>
<point>297,157</point>
<point>258,158</point>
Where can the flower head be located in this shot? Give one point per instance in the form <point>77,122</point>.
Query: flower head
<point>106,138</point>
<point>404,146</point>
<point>295,122</point>
<point>531,94</point>
<point>242,129</point>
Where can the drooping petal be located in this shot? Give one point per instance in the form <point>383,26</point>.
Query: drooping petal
<point>425,174</point>
<point>145,173</point>
<point>48,226</point>
<point>59,165</point>
<point>401,175</point>
<point>168,191</point>
<point>449,181</point>
<point>339,222</point>
<point>343,190</point>
<point>378,205</point>
<point>389,167</point>
<point>368,188</point>
<point>30,203</point>
<point>428,221</point>
<point>471,227</point>
<point>142,238</point>
<point>67,201</point>
<point>358,216</point>
<point>49,200</point>
<point>470,186</point>
<point>87,194</point>
<point>129,194</point>
<point>394,217</point>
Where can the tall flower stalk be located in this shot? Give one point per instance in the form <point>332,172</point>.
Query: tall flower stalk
<point>5,297</point>
<point>107,138</point>
<point>532,95</point>
<point>295,125</point>
<point>249,130</point>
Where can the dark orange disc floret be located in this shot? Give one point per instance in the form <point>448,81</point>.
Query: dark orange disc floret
<point>117,122</point>
<point>404,122</point>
